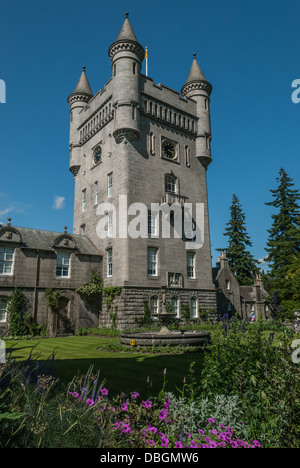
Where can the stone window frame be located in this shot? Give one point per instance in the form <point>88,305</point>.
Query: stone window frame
<point>5,262</point>
<point>109,262</point>
<point>110,184</point>
<point>154,297</point>
<point>3,300</point>
<point>193,254</point>
<point>150,262</point>
<point>63,266</point>
<point>178,305</point>
<point>83,200</point>
<point>193,298</point>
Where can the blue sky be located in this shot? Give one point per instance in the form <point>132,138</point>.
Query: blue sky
<point>248,51</point>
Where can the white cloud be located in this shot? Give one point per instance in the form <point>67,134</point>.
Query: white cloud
<point>5,212</point>
<point>59,202</point>
<point>263,260</point>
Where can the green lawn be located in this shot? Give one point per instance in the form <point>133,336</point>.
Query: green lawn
<point>123,372</point>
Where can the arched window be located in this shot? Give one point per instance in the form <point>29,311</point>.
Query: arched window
<point>170,183</point>
<point>193,307</point>
<point>187,156</point>
<point>153,303</point>
<point>3,310</point>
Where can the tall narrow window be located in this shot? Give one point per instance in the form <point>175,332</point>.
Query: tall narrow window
<point>190,260</point>
<point>152,143</point>
<point>110,185</point>
<point>3,310</point>
<point>152,262</point>
<point>110,232</point>
<point>153,303</point>
<point>96,193</point>
<point>152,224</point>
<point>82,230</point>
<point>193,307</point>
<point>134,68</point>
<point>6,260</point>
<point>63,265</point>
<point>109,262</point>
<point>83,200</point>
<point>187,156</point>
<point>175,306</point>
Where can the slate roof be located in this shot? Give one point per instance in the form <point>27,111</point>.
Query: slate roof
<point>83,86</point>
<point>44,240</point>
<point>196,73</point>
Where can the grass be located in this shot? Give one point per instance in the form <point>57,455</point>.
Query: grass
<point>123,372</point>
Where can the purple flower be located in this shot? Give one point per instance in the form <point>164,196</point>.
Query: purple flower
<point>178,444</point>
<point>125,428</point>
<point>90,402</point>
<point>214,432</point>
<point>200,431</point>
<point>162,414</point>
<point>104,391</point>
<point>147,404</point>
<point>151,443</point>
<point>116,425</point>
<point>135,395</point>
<point>124,407</point>
<point>211,421</point>
<point>152,429</point>
<point>256,443</point>
<point>213,444</point>
<point>234,444</point>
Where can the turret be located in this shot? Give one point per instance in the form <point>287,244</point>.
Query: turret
<point>197,88</point>
<point>126,55</point>
<point>81,95</point>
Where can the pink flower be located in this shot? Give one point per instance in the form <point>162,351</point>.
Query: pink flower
<point>90,402</point>
<point>178,444</point>
<point>256,443</point>
<point>162,414</point>
<point>211,421</point>
<point>104,391</point>
<point>125,428</point>
<point>124,407</point>
<point>214,432</point>
<point>135,395</point>
<point>151,443</point>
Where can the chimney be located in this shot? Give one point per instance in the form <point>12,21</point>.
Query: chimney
<point>223,261</point>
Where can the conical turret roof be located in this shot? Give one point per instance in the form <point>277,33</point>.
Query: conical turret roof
<point>196,73</point>
<point>126,32</point>
<point>83,85</point>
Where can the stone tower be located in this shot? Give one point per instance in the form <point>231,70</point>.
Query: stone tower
<point>139,152</point>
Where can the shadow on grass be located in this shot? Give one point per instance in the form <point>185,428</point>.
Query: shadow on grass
<point>128,373</point>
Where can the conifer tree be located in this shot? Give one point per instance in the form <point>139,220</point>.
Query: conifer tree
<point>240,260</point>
<point>283,244</point>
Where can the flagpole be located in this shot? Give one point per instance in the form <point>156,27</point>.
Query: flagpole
<point>146,60</point>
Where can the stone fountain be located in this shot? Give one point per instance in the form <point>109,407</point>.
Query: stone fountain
<point>165,336</point>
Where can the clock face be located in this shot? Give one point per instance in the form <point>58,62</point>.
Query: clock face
<point>97,154</point>
<point>168,149</point>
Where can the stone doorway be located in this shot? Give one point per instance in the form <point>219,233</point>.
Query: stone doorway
<point>63,324</point>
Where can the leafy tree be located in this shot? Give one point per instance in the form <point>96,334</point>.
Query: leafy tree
<point>16,309</point>
<point>241,262</point>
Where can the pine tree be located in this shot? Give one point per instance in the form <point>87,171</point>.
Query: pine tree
<point>240,260</point>
<point>283,244</point>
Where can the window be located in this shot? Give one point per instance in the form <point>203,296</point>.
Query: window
<point>175,306</point>
<point>82,230</point>
<point>83,200</point>
<point>109,262</point>
<point>152,262</point>
<point>227,285</point>
<point>3,310</point>
<point>190,259</point>
<point>187,156</point>
<point>153,305</point>
<point>188,230</point>
<point>96,192</point>
<point>110,231</point>
<point>170,183</point>
<point>110,185</point>
<point>152,143</point>
<point>63,265</point>
<point>134,68</point>
<point>152,225</point>
<point>6,261</point>
<point>193,307</point>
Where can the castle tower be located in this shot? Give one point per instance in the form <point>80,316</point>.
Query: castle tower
<point>198,89</point>
<point>139,151</point>
<point>126,55</point>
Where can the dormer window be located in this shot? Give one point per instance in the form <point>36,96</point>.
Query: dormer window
<point>170,183</point>
<point>6,260</point>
